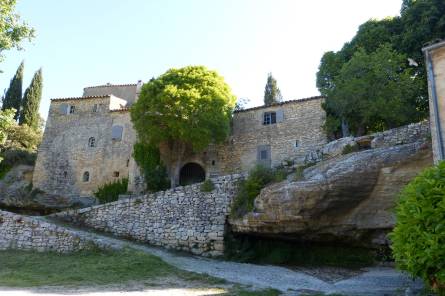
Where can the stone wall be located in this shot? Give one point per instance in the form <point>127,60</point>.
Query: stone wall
<point>184,218</point>
<point>26,233</point>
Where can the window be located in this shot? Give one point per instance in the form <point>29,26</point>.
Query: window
<point>264,155</point>
<point>86,176</point>
<point>213,162</point>
<point>128,163</point>
<point>92,142</point>
<point>72,108</point>
<point>115,174</point>
<point>296,143</point>
<point>65,174</point>
<point>269,118</point>
<point>95,108</point>
<point>116,132</point>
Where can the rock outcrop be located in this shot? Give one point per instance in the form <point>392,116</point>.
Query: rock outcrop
<point>16,194</point>
<point>347,199</point>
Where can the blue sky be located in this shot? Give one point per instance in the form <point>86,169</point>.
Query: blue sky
<point>90,42</point>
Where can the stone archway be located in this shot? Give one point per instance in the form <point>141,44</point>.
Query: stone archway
<point>191,173</point>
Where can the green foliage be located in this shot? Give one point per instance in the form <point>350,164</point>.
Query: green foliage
<point>6,122</point>
<point>374,92</point>
<point>418,238</point>
<point>183,109</point>
<point>207,186</point>
<point>13,96</point>
<point>272,93</point>
<point>14,157</point>
<point>421,21</point>
<point>349,149</point>
<point>273,251</point>
<point>148,159</point>
<point>31,101</point>
<point>250,188</point>
<point>12,30</point>
<point>109,192</point>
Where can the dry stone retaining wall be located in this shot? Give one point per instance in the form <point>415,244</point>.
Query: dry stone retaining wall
<point>183,218</point>
<point>26,233</point>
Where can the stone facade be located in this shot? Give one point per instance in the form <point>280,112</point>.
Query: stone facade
<point>69,164</point>
<point>184,218</point>
<point>26,233</point>
<point>78,152</point>
<point>435,62</point>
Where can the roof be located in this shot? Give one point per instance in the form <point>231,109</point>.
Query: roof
<point>281,103</point>
<point>433,45</point>
<point>124,109</point>
<point>111,85</point>
<point>81,98</point>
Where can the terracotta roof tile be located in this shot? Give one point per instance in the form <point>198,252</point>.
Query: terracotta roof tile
<point>125,109</point>
<point>281,103</point>
<point>111,85</point>
<point>81,98</point>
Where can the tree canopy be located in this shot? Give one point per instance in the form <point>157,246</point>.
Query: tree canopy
<point>13,96</point>
<point>183,110</point>
<point>12,30</point>
<point>421,21</point>
<point>272,93</point>
<point>31,102</point>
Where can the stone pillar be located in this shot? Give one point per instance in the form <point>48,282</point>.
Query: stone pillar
<point>435,67</point>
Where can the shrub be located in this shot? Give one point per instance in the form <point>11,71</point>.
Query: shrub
<point>11,158</point>
<point>109,192</point>
<point>249,189</point>
<point>349,149</point>
<point>148,159</point>
<point>207,186</point>
<point>418,238</point>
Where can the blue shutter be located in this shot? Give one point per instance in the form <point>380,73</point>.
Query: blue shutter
<point>280,115</point>
<point>63,109</point>
<point>116,132</point>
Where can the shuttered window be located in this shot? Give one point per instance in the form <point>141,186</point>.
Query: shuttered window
<point>273,117</point>
<point>63,109</point>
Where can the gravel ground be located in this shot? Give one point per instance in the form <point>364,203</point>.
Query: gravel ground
<point>366,281</point>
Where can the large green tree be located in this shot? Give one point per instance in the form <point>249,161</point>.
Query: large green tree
<point>272,93</point>
<point>13,96</point>
<point>12,30</point>
<point>374,91</point>
<point>183,111</point>
<point>31,102</point>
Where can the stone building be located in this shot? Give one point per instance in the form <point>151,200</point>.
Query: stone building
<point>435,64</point>
<point>88,141</point>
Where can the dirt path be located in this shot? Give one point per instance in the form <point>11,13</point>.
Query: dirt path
<point>370,281</point>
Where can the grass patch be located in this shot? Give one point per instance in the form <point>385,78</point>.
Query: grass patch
<point>349,149</point>
<point>30,269</point>
<point>269,251</point>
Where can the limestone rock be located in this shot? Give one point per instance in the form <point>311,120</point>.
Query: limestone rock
<point>335,148</point>
<point>16,193</point>
<point>347,199</point>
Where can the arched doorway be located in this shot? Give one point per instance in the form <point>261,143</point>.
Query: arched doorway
<point>191,173</point>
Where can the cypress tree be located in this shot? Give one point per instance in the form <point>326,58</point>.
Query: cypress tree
<point>31,102</point>
<point>13,96</point>
<point>272,93</point>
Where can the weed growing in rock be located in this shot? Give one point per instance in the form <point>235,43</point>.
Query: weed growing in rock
<point>207,186</point>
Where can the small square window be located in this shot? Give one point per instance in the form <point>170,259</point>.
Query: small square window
<point>296,143</point>
<point>213,162</point>
<point>269,118</point>
<point>116,174</point>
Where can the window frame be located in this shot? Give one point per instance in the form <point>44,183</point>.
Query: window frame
<point>269,118</point>
<point>92,142</point>
<point>86,177</point>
